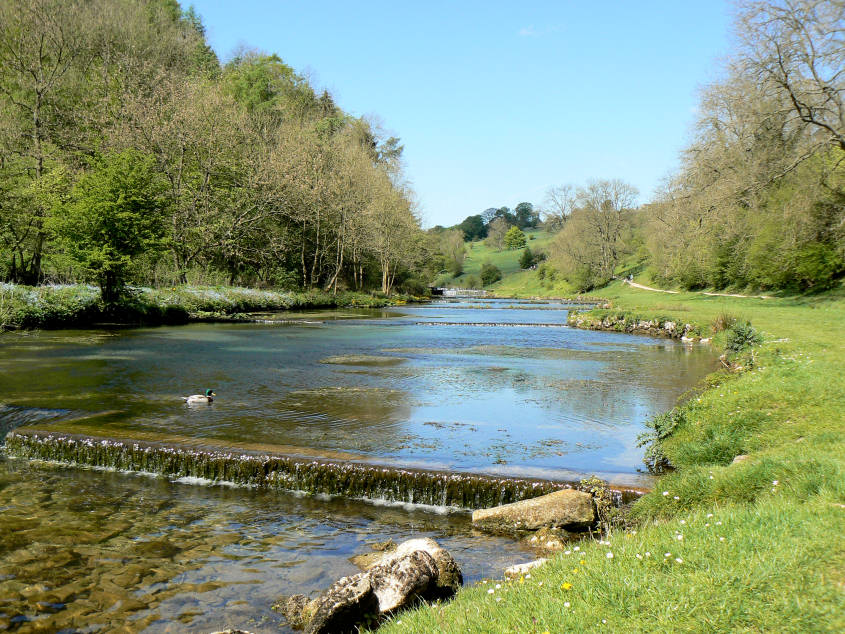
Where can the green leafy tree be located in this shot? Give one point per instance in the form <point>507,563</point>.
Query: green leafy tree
<point>526,260</point>
<point>473,228</point>
<point>514,238</point>
<point>115,215</point>
<point>490,273</point>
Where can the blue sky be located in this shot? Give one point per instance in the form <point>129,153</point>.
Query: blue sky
<point>497,101</point>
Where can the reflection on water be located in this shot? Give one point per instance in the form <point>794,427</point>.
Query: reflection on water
<point>463,396</point>
<point>100,551</point>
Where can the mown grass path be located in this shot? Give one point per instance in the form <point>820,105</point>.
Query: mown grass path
<point>718,546</point>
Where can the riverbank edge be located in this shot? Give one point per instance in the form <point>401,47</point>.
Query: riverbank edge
<point>472,611</point>
<point>77,305</point>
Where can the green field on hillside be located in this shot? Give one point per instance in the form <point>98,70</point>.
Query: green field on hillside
<point>507,260</point>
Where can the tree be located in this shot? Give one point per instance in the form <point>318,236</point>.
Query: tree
<point>526,260</point>
<point>116,215</point>
<point>42,43</point>
<point>587,249</point>
<point>454,251</point>
<point>526,217</point>
<point>473,228</point>
<point>560,201</point>
<point>796,48</point>
<point>514,238</point>
<point>496,231</point>
<point>490,274</point>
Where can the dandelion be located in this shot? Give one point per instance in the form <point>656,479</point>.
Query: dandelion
<point>575,570</point>
<point>609,555</point>
<point>566,586</point>
<point>582,562</point>
<point>521,580</point>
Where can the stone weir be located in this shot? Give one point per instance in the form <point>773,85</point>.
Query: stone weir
<point>347,478</point>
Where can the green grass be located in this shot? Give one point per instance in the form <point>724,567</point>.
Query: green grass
<point>507,260</point>
<point>780,565</point>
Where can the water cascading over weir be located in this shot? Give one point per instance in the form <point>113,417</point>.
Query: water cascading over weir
<point>348,478</point>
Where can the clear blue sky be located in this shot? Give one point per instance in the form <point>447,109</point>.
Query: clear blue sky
<point>497,101</point>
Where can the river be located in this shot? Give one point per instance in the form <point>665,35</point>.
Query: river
<point>495,387</point>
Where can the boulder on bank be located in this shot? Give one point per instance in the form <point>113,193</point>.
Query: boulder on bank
<point>566,508</point>
<point>417,569</point>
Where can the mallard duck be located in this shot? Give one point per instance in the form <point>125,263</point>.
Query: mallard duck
<point>194,399</point>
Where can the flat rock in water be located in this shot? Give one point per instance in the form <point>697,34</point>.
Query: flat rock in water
<point>566,508</point>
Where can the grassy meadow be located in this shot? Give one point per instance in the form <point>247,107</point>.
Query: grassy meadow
<point>717,546</point>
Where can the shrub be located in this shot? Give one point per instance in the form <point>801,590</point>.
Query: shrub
<point>741,336</point>
<point>490,273</point>
<point>472,281</point>
<point>662,426</point>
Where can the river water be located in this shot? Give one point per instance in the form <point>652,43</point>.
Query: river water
<point>497,387</point>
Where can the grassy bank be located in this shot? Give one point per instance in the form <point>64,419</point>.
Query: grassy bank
<point>718,546</point>
<point>79,305</point>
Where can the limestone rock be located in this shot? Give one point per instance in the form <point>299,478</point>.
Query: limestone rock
<point>520,569</point>
<point>449,577</point>
<point>298,610</point>
<point>402,581</point>
<point>740,458</point>
<point>565,508</point>
<point>416,569</point>
<point>347,602</point>
<point>548,539</point>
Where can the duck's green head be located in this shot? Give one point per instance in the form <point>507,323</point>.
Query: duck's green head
<point>210,393</point>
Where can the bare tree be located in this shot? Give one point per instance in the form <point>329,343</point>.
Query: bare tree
<point>558,205</point>
<point>797,47</point>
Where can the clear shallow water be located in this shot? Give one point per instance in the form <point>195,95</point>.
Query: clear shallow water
<point>97,551</point>
<point>431,386</point>
<point>94,551</point>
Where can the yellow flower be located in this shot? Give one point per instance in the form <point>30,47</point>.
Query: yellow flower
<point>566,586</point>
<point>575,570</point>
<point>582,562</point>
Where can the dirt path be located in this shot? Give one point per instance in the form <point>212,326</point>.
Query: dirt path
<point>647,288</point>
<point>660,290</point>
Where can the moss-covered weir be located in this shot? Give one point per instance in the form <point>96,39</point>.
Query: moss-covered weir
<point>282,472</point>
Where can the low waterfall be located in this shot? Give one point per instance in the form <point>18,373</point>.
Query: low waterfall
<point>315,476</point>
